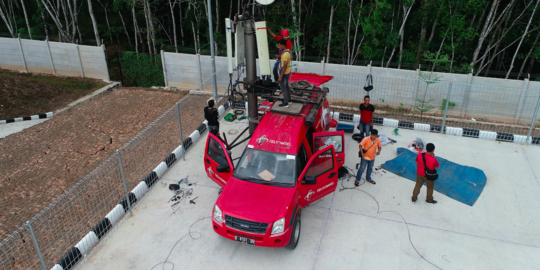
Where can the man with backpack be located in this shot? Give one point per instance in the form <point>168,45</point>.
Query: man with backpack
<point>284,35</point>
<point>285,72</point>
<point>369,148</point>
<point>425,172</point>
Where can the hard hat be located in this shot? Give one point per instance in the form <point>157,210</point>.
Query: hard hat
<point>285,33</point>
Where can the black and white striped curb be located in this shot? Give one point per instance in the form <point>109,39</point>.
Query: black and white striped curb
<point>465,132</point>
<point>27,118</point>
<point>92,238</point>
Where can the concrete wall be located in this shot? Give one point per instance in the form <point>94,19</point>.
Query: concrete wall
<point>57,58</point>
<point>511,101</point>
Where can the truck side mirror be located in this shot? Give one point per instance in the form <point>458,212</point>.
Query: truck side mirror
<point>223,168</point>
<point>309,180</point>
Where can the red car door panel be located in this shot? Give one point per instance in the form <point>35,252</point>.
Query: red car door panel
<point>335,138</point>
<point>217,162</point>
<point>322,167</point>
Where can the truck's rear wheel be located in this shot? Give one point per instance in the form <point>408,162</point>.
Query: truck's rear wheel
<point>295,235</point>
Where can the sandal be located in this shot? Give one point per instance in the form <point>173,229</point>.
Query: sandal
<point>371,181</point>
<point>356,183</point>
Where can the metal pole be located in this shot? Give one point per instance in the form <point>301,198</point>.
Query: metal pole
<point>22,55</point>
<point>36,245</point>
<point>105,58</point>
<point>124,180</point>
<point>80,59</point>
<point>180,127</point>
<point>251,72</point>
<point>50,55</point>
<point>446,106</point>
<point>212,48</point>
<point>533,120</point>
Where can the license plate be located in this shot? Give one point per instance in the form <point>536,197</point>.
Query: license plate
<point>244,240</point>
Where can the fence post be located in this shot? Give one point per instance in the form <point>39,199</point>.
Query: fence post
<point>533,121</point>
<point>80,61</point>
<point>164,68</point>
<point>180,127</point>
<point>22,55</point>
<point>50,55</point>
<point>322,66</point>
<point>36,245</point>
<point>446,106</point>
<point>124,181</point>
<point>467,94</point>
<point>200,71</point>
<point>105,59</point>
<point>522,99</point>
<point>417,86</point>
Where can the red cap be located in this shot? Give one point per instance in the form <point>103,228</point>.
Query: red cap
<point>285,33</point>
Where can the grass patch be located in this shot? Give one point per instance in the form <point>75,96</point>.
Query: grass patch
<point>24,94</point>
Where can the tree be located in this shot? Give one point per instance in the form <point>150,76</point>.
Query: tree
<point>521,41</point>
<point>429,78</point>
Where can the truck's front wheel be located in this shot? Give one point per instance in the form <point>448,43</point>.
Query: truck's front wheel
<point>295,235</point>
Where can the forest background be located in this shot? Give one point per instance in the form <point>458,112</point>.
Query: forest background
<point>498,38</point>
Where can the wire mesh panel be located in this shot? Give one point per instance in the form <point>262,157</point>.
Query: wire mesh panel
<point>150,147</point>
<point>488,112</point>
<point>18,252</point>
<point>69,218</point>
<point>222,78</point>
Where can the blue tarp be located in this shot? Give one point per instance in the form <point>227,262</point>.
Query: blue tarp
<point>461,183</point>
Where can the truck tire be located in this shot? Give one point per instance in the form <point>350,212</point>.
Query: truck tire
<point>295,235</point>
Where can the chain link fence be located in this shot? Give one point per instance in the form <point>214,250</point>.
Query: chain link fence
<point>499,113</point>
<point>58,229</point>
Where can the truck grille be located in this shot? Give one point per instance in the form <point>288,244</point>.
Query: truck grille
<point>244,225</point>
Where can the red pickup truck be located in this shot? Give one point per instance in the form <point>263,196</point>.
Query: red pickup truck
<point>287,165</point>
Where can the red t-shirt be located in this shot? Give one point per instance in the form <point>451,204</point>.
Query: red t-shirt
<point>366,113</point>
<point>289,43</point>
<point>431,161</point>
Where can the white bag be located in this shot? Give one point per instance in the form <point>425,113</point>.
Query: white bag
<point>384,140</point>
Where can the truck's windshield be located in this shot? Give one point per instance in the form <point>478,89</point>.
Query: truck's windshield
<point>267,168</point>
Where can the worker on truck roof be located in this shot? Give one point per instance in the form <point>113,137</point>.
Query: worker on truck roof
<point>284,73</point>
<point>285,36</point>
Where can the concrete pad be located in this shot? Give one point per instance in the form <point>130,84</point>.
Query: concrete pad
<point>344,230</point>
<point>11,128</point>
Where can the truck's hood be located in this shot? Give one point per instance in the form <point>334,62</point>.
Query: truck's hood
<point>255,202</point>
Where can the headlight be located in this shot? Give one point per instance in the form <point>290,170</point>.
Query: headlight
<point>217,214</point>
<point>278,226</point>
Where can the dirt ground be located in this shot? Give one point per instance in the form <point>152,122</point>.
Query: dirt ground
<point>27,94</point>
<point>40,163</point>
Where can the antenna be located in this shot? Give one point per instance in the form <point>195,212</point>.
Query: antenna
<point>265,2</point>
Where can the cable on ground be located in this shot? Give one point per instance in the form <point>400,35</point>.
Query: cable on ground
<point>351,173</point>
<point>190,233</point>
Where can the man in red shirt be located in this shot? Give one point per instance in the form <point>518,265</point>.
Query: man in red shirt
<point>367,112</point>
<point>432,164</point>
<point>284,35</point>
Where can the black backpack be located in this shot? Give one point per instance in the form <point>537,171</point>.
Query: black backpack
<point>369,83</point>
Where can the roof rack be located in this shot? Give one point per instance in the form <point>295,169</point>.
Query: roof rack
<point>301,92</point>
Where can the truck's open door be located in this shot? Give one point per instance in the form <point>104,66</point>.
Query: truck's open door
<point>335,138</point>
<point>319,177</point>
<point>217,162</point>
